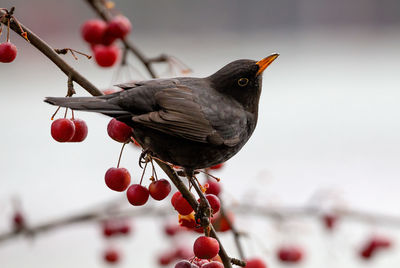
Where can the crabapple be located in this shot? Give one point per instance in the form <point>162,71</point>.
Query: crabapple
<point>62,129</point>
<point>106,56</point>
<point>119,131</point>
<point>213,188</point>
<point>205,247</point>
<point>119,27</point>
<point>93,31</point>
<point>159,189</point>
<point>8,52</point>
<point>137,194</point>
<point>117,179</point>
<point>255,263</point>
<point>111,255</point>
<point>81,130</point>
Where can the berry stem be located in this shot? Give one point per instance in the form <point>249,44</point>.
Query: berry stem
<point>65,114</point>
<point>120,154</point>
<point>154,173</point>
<point>144,170</point>
<point>8,30</point>
<point>52,117</point>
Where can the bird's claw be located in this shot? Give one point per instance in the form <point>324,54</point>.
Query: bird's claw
<point>144,157</point>
<point>203,213</point>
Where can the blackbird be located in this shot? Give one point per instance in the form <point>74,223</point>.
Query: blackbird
<point>190,122</point>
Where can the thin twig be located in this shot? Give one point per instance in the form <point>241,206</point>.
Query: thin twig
<point>236,234</point>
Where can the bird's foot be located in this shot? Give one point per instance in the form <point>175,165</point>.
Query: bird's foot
<point>144,157</point>
<point>203,213</point>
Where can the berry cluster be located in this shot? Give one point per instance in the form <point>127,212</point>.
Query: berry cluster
<point>290,254</point>
<point>69,130</point>
<point>119,179</point>
<point>101,36</point>
<point>373,245</point>
<point>112,229</point>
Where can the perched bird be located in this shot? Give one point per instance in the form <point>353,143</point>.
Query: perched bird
<point>190,122</point>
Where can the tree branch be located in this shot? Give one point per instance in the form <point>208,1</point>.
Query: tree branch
<point>52,55</point>
<point>226,260</point>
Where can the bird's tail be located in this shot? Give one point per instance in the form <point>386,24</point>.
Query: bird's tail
<point>90,104</point>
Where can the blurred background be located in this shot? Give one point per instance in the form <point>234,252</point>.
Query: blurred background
<point>328,133</point>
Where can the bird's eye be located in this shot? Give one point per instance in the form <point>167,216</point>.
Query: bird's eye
<point>243,82</point>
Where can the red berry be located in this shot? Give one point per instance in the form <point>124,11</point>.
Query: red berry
<point>119,27</point>
<point>214,202</point>
<point>159,189</point>
<point>172,229</point>
<point>81,130</point>
<point>166,258</point>
<point>111,256</point>
<point>381,242</point>
<point>8,52</point>
<point>117,179</point>
<point>218,166</point>
<point>330,221</point>
<point>18,221</point>
<point>106,56</point>
<point>183,253</point>
<point>185,264</point>
<point>366,253</point>
<point>175,197</point>
<point>373,245</point>
<point>108,230</point>
<point>290,254</point>
<point>213,188</point>
<point>119,131</point>
<point>93,31</point>
<point>107,39</point>
<point>182,206</point>
<point>62,130</point>
<point>137,194</point>
<point>116,227</point>
<point>205,247</point>
<point>255,263</point>
<point>214,264</point>
<point>125,229</point>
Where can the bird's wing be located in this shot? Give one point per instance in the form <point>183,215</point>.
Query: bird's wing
<point>181,115</point>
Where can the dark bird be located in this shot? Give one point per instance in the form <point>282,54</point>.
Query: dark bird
<point>190,122</point>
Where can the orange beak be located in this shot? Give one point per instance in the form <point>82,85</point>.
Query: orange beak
<point>265,62</point>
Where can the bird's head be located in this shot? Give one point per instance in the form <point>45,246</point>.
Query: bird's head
<point>242,79</point>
